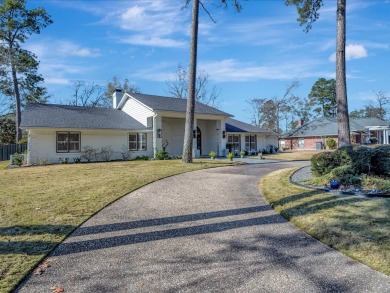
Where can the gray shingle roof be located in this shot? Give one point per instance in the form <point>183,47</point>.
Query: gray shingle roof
<point>160,103</point>
<point>233,125</point>
<point>61,116</point>
<point>327,126</point>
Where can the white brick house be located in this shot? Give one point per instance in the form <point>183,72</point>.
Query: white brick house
<point>138,122</point>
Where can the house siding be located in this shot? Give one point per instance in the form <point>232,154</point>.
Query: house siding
<point>138,111</point>
<point>42,144</point>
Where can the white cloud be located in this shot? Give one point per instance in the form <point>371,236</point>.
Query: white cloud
<point>352,51</point>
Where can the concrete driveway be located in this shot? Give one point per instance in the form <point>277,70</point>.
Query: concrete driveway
<point>205,231</point>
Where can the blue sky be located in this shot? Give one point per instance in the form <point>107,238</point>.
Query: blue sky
<point>252,54</point>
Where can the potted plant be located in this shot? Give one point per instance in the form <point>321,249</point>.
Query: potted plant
<point>230,156</point>
<point>242,154</point>
<point>212,155</point>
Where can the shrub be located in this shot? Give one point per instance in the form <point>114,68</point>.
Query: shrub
<point>345,175</point>
<point>243,153</point>
<point>63,161</point>
<point>142,158</point>
<point>77,160</point>
<point>89,153</point>
<point>331,143</point>
<point>380,160</point>
<point>17,159</point>
<point>212,154</point>
<point>106,153</point>
<point>230,156</point>
<point>323,163</point>
<point>126,153</point>
<point>162,155</point>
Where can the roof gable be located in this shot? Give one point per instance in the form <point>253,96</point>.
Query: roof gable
<point>160,103</point>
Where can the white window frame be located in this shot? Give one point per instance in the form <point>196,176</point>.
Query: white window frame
<point>67,142</point>
<point>301,143</point>
<point>139,141</point>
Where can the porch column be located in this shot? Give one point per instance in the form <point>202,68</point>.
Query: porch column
<point>221,126</point>
<point>157,141</point>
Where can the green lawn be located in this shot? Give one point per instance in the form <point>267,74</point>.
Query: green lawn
<point>356,226</point>
<point>292,155</point>
<point>41,205</point>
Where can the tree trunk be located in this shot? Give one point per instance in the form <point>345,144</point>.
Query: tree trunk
<point>189,126</point>
<point>341,85</point>
<point>17,97</point>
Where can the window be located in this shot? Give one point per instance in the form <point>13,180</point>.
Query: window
<point>250,142</point>
<point>233,143</point>
<point>68,142</point>
<point>137,142</point>
<point>301,143</point>
<point>282,144</point>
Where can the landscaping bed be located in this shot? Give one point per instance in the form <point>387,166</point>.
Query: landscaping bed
<point>356,226</point>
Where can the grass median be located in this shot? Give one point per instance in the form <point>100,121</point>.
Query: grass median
<point>356,226</point>
<point>40,206</point>
<point>292,155</point>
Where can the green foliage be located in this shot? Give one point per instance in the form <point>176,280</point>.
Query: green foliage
<point>142,158</point>
<point>375,182</point>
<point>242,153</point>
<point>17,159</point>
<point>162,155</point>
<point>7,130</point>
<point>345,175</point>
<point>64,160</point>
<point>307,11</point>
<point>380,160</point>
<point>331,143</point>
<point>77,160</point>
<point>323,95</point>
<point>323,163</point>
<point>230,156</point>
<point>212,154</point>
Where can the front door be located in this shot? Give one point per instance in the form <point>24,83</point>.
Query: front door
<point>199,140</point>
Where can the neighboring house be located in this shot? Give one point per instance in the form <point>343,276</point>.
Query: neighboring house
<point>313,135</point>
<point>142,124</point>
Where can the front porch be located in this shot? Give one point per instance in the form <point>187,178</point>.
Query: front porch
<point>207,135</point>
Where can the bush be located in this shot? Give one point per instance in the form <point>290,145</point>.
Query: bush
<point>89,153</point>
<point>63,161</point>
<point>323,163</point>
<point>126,153</point>
<point>142,158</point>
<point>106,153</point>
<point>162,155</point>
<point>212,154</point>
<point>345,175</point>
<point>380,160</point>
<point>331,143</point>
<point>17,159</point>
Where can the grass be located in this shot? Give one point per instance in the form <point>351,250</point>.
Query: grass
<point>356,226</point>
<point>40,206</point>
<point>3,164</point>
<point>292,155</point>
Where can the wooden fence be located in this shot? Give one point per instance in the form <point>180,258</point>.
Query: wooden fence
<point>7,150</point>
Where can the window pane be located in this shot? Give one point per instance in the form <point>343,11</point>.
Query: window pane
<point>133,142</point>
<point>62,142</point>
<point>142,141</point>
<point>230,139</point>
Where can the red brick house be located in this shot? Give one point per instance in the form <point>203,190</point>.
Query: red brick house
<point>312,135</point>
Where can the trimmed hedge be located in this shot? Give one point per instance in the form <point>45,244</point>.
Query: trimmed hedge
<point>360,159</point>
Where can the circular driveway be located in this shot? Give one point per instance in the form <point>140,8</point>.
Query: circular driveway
<point>204,231</point>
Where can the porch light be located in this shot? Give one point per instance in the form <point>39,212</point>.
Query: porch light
<point>224,134</point>
<point>194,133</point>
<point>159,133</point>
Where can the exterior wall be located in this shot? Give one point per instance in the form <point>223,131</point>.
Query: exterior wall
<point>42,144</point>
<point>138,111</point>
<point>210,136</point>
<point>173,133</point>
<point>309,142</point>
<point>263,141</point>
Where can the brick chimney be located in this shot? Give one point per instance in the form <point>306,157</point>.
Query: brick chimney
<point>300,122</point>
<point>116,98</point>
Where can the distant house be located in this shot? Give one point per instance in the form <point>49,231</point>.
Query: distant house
<point>312,135</point>
<point>140,123</point>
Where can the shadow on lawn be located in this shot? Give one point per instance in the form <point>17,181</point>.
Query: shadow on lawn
<point>12,239</point>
